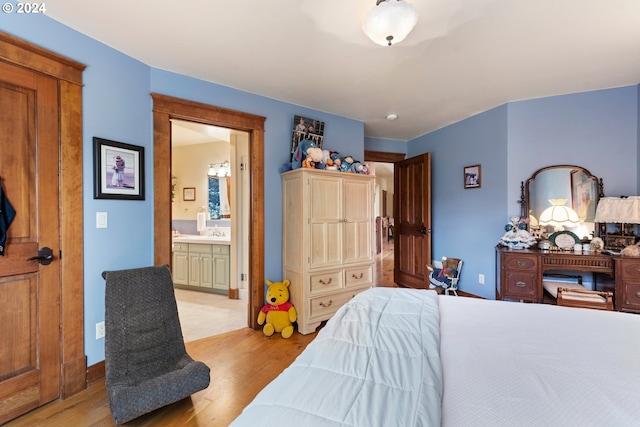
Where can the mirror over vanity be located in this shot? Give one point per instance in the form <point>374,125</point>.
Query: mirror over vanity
<point>561,197</point>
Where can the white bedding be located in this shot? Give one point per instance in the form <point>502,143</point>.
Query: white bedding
<point>376,363</point>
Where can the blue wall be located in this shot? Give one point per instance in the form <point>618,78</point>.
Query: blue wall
<point>598,130</point>
<point>117,105</point>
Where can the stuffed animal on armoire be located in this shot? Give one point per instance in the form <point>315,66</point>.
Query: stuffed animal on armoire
<point>306,155</point>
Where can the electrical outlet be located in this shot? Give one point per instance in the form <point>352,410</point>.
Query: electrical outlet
<point>481,279</point>
<point>99,330</point>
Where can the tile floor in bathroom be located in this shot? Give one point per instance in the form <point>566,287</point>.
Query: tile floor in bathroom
<point>203,314</point>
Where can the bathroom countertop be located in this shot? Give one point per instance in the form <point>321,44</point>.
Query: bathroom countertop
<point>191,238</point>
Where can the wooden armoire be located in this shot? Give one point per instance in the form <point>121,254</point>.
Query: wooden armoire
<point>328,240</point>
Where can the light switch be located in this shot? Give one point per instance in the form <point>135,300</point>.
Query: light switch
<point>101,220</point>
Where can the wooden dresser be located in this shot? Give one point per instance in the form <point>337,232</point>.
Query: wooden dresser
<point>328,236</point>
<point>519,273</point>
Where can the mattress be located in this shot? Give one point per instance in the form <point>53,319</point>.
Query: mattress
<point>402,357</point>
<point>514,364</point>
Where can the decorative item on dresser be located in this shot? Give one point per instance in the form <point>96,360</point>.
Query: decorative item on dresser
<point>624,211</point>
<point>328,236</point>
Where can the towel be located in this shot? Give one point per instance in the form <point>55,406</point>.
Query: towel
<point>7,213</point>
<point>201,221</point>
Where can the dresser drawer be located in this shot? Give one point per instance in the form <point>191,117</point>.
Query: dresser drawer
<point>630,270</point>
<point>325,281</point>
<point>520,262</point>
<point>322,308</point>
<point>356,277</point>
<point>631,296</point>
<point>521,285</point>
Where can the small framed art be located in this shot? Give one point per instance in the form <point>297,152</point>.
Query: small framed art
<point>189,194</point>
<point>472,177</point>
<point>118,170</point>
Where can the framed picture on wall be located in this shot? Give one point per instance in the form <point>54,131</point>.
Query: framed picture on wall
<point>189,194</point>
<point>472,178</point>
<point>118,170</point>
<point>306,128</point>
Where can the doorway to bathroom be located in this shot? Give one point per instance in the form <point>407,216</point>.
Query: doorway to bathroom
<point>209,227</point>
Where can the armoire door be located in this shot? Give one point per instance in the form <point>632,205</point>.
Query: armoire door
<point>30,291</point>
<point>412,222</point>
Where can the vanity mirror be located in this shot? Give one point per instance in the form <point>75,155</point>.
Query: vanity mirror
<point>561,197</point>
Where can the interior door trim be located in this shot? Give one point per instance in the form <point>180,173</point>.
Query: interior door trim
<point>166,108</point>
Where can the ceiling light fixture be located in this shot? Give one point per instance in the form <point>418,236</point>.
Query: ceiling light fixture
<point>390,21</point>
<point>392,116</point>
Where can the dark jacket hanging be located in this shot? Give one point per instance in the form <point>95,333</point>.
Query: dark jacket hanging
<point>7,213</point>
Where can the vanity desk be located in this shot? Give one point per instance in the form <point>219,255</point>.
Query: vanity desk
<point>520,272</point>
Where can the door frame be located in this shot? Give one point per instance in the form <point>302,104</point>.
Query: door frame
<point>166,108</point>
<point>73,363</point>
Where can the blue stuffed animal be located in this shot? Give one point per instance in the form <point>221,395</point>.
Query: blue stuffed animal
<point>307,154</point>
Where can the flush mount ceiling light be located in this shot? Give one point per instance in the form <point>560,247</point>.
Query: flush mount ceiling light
<point>390,21</point>
<point>392,116</point>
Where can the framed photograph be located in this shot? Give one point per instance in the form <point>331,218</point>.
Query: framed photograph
<point>306,128</point>
<point>583,195</point>
<point>118,170</point>
<point>472,178</point>
<point>189,194</point>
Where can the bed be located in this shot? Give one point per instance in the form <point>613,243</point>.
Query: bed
<point>403,357</point>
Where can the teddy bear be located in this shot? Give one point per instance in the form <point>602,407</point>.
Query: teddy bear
<point>278,312</point>
<point>306,155</point>
<point>328,161</point>
<point>345,164</point>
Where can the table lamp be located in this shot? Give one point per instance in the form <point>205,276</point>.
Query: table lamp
<point>618,210</point>
<point>558,215</point>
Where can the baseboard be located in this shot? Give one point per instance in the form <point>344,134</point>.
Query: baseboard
<point>466,294</point>
<point>95,373</point>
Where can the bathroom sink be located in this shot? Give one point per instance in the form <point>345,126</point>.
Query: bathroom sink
<point>194,238</point>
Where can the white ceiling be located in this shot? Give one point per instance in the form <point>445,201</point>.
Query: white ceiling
<point>463,57</point>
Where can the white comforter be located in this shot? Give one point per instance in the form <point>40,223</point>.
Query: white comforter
<point>375,363</point>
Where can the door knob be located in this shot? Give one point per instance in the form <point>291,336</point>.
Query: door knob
<point>44,257</point>
<point>423,230</point>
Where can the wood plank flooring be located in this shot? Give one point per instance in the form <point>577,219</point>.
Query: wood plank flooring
<point>242,362</point>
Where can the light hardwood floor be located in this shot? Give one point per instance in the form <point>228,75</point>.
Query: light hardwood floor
<point>242,362</point>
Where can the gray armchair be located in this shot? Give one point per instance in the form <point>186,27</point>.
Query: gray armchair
<point>146,363</point>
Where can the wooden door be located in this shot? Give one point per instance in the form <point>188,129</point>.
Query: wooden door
<point>30,292</point>
<point>412,221</point>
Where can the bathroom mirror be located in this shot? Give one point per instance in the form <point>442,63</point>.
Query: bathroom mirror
<point>568,185</point>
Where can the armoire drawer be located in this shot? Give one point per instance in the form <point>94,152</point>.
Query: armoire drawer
<point>325,281</point>
<point>361,276</point>
<point>323,307</point>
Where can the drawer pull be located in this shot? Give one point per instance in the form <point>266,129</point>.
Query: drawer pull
<point>521,263</point>
<point>326,305</point>
<point>521,284</point>
<point>325,283</point>
<point>638,294</point>
<point>356,277</point>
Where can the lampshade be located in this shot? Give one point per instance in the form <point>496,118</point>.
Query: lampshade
<point>558,215</point>
<point>390,21</point>
<point>625,210</point>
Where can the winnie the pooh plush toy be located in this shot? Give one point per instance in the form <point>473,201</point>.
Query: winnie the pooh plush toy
<point>278,312</point>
